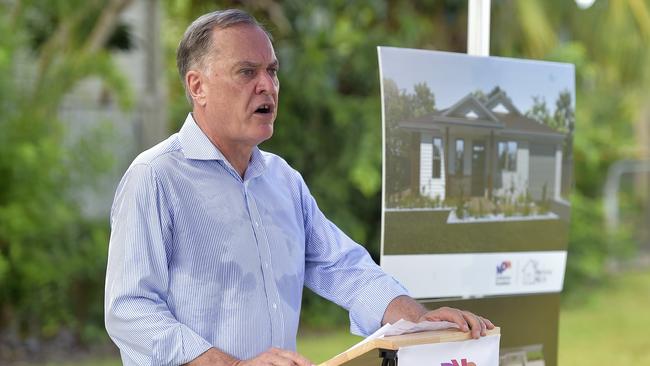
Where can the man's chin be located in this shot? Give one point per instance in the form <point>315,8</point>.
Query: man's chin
<point>265,133</point>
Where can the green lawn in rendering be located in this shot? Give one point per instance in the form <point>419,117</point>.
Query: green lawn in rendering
<point>409,232</point>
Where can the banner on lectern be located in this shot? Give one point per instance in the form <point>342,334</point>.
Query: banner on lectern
<point>475,352</point>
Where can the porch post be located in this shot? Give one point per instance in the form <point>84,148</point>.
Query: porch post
<point>490,164</point>
<point>447,155</point>
<point>415,163</point>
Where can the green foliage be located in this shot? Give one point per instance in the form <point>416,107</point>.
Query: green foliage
<point>318,313</point>
<point>562,119</point>
<point>540,112</point>
<point>415,200</point>
<point>52,258</point>
<point>402,106</point>
<point>564,116</point>
<point>590,245</point>
<point>608,45</point>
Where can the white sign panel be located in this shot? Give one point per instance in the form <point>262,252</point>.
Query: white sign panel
<point>478,274</point>
<point>474,352</point>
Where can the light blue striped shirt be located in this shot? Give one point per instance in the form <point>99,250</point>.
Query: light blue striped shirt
<point>201,258</point>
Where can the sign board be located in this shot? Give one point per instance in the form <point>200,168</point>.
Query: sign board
<point>477,175</point>
<point>475,352</point>
<point>369,352</point>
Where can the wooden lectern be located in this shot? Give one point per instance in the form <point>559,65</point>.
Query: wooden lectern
<point>383,351</point>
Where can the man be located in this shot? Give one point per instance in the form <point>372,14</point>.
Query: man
<point>212,239</point>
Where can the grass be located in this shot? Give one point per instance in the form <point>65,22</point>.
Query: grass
<point>605,326</point>
<point>608,326</point>
<point>321,346</point>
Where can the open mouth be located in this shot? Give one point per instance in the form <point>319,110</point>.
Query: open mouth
<point>264,109</point>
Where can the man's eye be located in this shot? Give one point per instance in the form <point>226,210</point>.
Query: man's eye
<point>273,71</point>
<point>247,72</point>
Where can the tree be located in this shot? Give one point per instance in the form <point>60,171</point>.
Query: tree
<point>401,106</point>
<point>424,102</point>
<point>612,82</point>
<point>539,112</point>
<point>564,116</point>
<point>52,258</point>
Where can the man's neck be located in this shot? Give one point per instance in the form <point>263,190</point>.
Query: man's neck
<point>238,155</point>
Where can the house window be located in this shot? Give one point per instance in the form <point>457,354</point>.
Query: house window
<point>508,155</point>
<point>460,155</point>
<point>437,157</point>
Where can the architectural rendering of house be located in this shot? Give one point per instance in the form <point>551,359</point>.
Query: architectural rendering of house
<point>481,147</point>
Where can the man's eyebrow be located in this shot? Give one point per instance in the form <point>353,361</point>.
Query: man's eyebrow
<point>247,64</point>
<point>252,64</point>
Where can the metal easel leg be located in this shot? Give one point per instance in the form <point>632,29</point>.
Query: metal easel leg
<point>389,357</point>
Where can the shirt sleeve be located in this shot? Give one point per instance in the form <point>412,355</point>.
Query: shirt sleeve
<point>342,271</point>
<point>137,317</point>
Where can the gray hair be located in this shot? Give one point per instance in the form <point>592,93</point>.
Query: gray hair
<point>197,40</point>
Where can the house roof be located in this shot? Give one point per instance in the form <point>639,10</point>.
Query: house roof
<point>494,111</point>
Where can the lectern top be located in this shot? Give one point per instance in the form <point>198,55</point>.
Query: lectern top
<point>366,355</point>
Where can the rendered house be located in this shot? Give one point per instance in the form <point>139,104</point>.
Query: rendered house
<point>481,149</point>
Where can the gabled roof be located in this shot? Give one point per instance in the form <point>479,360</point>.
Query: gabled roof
<point>486,115</point>
<point>467,104</point>
<point>498,97</point>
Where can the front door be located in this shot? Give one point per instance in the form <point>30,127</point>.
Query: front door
<point>478,168</point>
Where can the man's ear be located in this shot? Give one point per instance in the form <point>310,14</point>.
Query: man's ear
<point>196,87</point>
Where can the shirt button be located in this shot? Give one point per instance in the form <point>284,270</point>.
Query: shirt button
<point>266,265</point>
<point>275,306</point>
<point>257,224</point>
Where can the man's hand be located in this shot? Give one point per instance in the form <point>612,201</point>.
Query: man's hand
<point>404,307</point>
<point>464,319</point>
<point>276,357</point>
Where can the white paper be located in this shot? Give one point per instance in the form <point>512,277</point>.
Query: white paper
<point>404,327</point>
<point>473,352</point>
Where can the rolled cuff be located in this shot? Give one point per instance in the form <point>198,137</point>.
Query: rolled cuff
<point>368,309</point>
<point>178,345</point>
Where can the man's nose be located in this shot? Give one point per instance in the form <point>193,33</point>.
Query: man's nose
<point>267,84</point>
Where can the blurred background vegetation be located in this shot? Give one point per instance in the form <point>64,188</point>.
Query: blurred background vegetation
<point>86,85</point>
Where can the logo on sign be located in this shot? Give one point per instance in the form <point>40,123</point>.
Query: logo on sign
<point>503,267</point>
<point>533,273</point>
<point>503,275</point>
<point>463,362</point>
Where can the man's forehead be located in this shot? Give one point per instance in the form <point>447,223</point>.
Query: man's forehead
<point>244,42</point>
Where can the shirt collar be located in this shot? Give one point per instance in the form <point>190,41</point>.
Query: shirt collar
<point>197,146</point>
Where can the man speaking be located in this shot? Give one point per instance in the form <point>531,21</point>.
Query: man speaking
<point>212,239</point>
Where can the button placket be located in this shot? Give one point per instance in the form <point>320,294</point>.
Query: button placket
<point>273,296</point>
